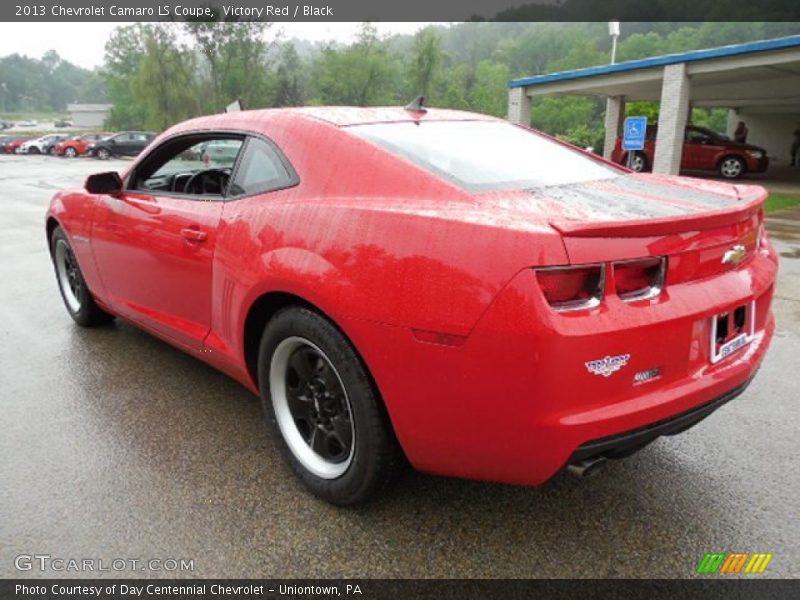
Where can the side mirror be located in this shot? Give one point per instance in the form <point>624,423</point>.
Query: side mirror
<point>103,183</point>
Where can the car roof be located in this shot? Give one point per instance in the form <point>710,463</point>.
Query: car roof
<point>344,116</point>
<point>337,116</point>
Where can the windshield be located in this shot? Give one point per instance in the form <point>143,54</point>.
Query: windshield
<point>482,156</point>
<point>712,133</point>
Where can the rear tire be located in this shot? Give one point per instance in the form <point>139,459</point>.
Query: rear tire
<point>70,152</point>
<point>638,162</point>
<point>76,295</point>
<point>333,428</point>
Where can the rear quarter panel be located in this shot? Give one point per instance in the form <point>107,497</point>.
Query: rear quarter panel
<point>368,236</point>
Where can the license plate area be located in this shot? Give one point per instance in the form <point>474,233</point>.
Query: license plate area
<point>732,330</point>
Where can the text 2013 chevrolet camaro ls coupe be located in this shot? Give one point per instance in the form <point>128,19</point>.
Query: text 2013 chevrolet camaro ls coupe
<point>477,297</point>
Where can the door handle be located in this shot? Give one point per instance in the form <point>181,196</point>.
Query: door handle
<point>193,235</point>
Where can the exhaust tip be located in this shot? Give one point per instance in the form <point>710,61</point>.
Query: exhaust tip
<point>586,468</point>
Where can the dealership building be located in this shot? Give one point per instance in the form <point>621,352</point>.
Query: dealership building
<point>88,115</point>
<point>759,82</point>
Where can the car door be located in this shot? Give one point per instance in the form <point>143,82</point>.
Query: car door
<point>154,246</point>
<point>138,143</point>
<point>121,144</point>
<point>700,150</point>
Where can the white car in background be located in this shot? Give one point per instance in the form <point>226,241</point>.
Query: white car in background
<point>39,145</point>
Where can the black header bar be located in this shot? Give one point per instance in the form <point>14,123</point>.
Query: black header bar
<point>706,587</point>
<point>398,10</point>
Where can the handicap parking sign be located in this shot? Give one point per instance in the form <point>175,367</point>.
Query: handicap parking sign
<point>634,132</point>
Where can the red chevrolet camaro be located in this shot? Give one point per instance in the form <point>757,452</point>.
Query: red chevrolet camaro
<point>447,287</point>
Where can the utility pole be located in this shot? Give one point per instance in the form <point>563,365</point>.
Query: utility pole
<point>613,31</point>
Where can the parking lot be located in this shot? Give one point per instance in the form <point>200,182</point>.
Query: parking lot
<point>115,445</point>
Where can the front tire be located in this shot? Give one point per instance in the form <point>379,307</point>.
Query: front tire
<point>76,295</point>
<point>70,152</point>
<point>103,153</point>
<point>322,404</point>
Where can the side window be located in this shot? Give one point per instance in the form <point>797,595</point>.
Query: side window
<point>261,170</point>
<point>696,137</point>
<point>197,167</point>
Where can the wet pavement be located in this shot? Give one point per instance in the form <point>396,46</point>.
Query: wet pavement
<point>115,445</point>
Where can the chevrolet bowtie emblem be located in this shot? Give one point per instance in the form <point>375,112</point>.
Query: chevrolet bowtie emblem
<point>735,255</point>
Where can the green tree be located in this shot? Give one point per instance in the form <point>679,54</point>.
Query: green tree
<point>360,75</point>
<point>124,52</point>
<point>48,84</point>
<point>562,114</point>
<point>490,94</point>
<point>163,82</point>
<point>235,54</point>
<point>455,91</point>
<point>426,59</point>
<point>289,85</point>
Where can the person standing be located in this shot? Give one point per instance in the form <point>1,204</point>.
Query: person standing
<point>740,135</point>
<point>796,147</point>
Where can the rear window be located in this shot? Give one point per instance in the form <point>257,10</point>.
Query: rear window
<point>482,156</point>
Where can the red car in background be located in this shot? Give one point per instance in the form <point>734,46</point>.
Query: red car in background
<point>703,150</point>
<point>78,145</point>
<point>12,146</point>
<point>483,299</point>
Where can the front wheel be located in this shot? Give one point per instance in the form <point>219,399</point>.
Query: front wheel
<point>103,153</point>
<point>70,152</point>
<point>76,295</point>
<point>731,167</point>
<point>334,430</point>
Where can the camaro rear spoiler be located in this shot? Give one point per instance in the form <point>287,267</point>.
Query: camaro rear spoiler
<point>741,210</point>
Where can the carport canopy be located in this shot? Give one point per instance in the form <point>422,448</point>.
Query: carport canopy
<point>758,81</point>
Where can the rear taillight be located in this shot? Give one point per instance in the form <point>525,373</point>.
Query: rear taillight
<point>639,279</point>
<point>572,288</point>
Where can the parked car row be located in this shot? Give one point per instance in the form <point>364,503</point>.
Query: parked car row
<point>98,145</point>
<point>34,123</point>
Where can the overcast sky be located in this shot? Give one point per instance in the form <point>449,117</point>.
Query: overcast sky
<point>82,43</point>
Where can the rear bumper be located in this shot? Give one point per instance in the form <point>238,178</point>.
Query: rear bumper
<point>515,402</point>
<point>625,444</point>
